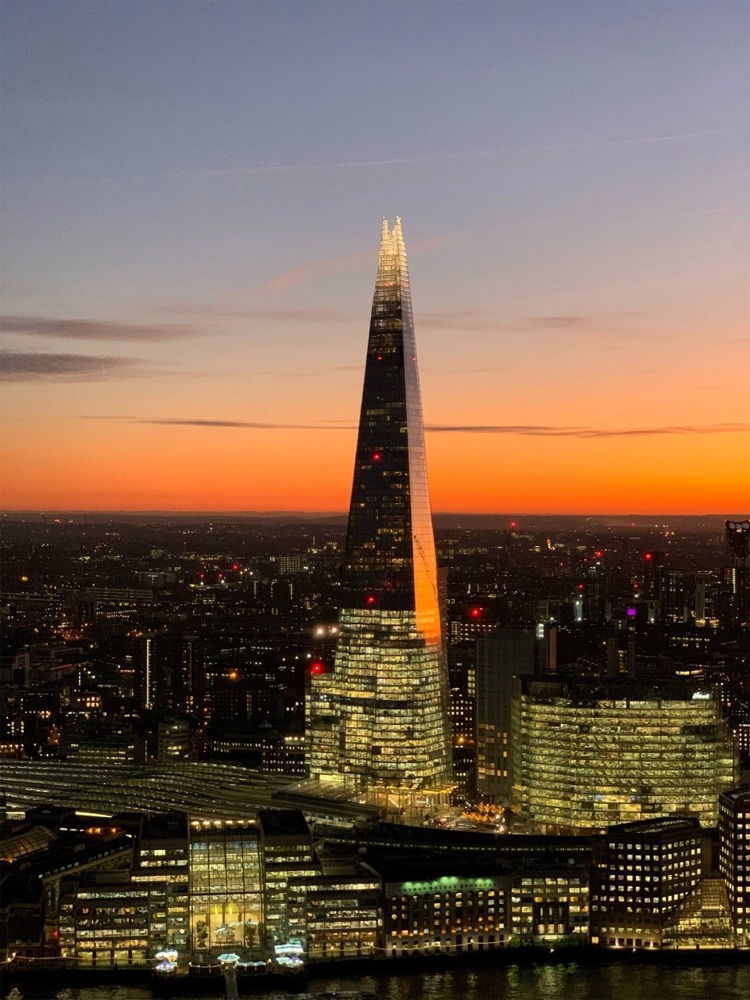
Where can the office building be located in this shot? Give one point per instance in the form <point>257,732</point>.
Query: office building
<point>336,912</point>
<point>735,601</point>
<point>226,892</point>
<point>642,872</point>
<point>734,857</point>
<point>588,754</point>
<point>378,721</point>
<point>501,656</point>
<point>286,852</point>
<point>442,907</point>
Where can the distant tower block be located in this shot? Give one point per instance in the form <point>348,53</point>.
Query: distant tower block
<point>737,573</point>
<point>737,535</point>
<point>379,719</point>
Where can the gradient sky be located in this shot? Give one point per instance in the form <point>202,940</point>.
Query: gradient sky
<point>192,196</point>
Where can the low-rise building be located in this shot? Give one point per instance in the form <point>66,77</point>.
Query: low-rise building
<point>642,872</point>
<point>442,906</point>
<point>734,857</point>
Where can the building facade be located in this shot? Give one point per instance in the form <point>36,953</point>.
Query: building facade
<point>734,857</point>
<point>226,890</point>
<point>642,873</point>
<point>501,656</point>
<point>587,755</point>
<point>378,721</point>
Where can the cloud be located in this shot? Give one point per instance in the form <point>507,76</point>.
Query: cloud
<point>559,322</point>
<point>586,432</point>
<point>664,218</point>
<point>82,329</point>
<point>253,425</point>
<point>16,366</point>
<point>479,319</point>
<point>280,315</point>
<point>459,319</point>
<point>528,430</point>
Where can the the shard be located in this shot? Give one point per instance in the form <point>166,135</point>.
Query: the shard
<point>378,719</point>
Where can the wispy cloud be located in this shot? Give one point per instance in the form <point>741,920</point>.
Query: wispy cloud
<point>587,432</point>
<point>560,322</point>
<point>83,329</point>
<point>478,319</point>
<point>247,424</point>
<point>527,430</point>
<point>17,366</point>
<point>665,218</point>
<point>280,315</point>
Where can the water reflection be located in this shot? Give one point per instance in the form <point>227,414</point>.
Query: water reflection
<point>566,981</point>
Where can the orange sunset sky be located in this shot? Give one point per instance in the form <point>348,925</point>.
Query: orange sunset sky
<point>192,221</point>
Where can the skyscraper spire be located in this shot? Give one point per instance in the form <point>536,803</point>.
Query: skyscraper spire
<point>380,717</point>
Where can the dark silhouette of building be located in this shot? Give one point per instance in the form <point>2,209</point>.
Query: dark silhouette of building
<point>501,656</point>
<point>736,575</point>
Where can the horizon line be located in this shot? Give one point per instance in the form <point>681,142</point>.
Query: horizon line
<point>279,512</point>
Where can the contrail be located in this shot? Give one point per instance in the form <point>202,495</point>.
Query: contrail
<point>290,168</point>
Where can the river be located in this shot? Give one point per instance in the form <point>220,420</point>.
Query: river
<point>564,981</point>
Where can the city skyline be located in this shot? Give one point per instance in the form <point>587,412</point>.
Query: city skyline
<point>189,196</point>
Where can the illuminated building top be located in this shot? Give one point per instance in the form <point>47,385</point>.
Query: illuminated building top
<point>390,552</point>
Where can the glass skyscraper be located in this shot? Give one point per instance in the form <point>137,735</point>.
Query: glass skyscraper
<point>379,718</point>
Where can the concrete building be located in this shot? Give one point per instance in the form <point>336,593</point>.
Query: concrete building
<point>642,872</point>
<point>734,857</point>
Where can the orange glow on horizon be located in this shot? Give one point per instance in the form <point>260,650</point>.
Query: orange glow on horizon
<point>209,469</point>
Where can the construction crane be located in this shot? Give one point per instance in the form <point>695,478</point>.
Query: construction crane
<point>506,543</point>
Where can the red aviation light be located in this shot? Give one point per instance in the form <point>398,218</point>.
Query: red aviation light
<point>235,566</point>
<point>512,525</point>
<point>598,553</point>
<point>318,667</point>
<point>370,599</point>
<point>648,556</point>
<point>476,613</point>
<point>376,456</point>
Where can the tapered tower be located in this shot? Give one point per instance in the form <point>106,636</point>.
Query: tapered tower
<point>379,719</point>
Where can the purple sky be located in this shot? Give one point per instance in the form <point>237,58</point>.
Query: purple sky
<point>191,205</point>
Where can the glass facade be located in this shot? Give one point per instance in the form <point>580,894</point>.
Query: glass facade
<point>380,718</point>
<point>586,756</point>
<point>226,911</point>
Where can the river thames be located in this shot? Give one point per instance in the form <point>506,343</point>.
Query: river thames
<point>564,981</point>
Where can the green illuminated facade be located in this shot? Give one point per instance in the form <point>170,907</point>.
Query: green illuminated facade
<point>379,719</point>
